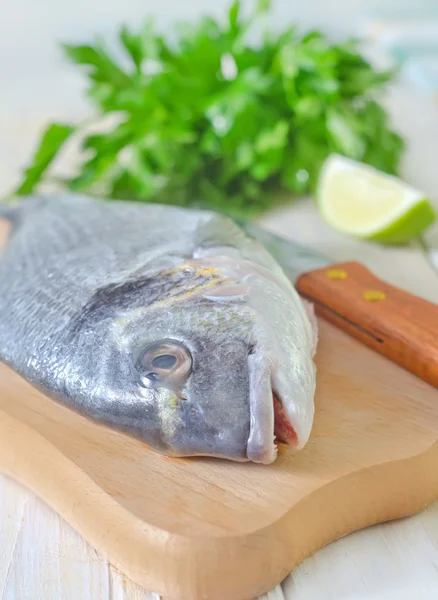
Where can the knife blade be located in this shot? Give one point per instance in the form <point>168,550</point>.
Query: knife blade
<point>399,325</point>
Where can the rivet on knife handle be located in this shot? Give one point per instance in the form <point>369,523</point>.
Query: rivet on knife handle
<point>399,325</point>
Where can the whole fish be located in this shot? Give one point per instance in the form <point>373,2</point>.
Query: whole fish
<point>168,324</point>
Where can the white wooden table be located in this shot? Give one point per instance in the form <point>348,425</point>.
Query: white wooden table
<point>41,557</point>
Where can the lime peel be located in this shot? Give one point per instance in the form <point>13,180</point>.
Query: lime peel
<point>361,201</point>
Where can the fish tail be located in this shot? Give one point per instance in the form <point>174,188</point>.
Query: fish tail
<point>13,209</point>
<point>8,212</point>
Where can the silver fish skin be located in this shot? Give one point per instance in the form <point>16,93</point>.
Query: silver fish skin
<point>167,324</point>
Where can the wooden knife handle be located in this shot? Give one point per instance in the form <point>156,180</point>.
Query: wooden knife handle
<point>397,324</point>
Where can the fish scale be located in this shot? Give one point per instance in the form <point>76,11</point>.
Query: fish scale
<point>92,291</point>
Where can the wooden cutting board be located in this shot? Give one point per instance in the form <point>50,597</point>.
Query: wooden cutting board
<point>211,529</point>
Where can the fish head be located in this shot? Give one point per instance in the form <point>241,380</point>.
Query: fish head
<point>208,361</point>
<point>193,369</point>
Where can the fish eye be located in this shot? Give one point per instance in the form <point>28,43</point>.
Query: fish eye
<point>166,361</point>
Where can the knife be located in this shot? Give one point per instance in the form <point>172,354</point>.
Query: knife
<point>395,323</point>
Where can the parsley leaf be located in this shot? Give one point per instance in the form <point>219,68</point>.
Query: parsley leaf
<point>205,118</point>
<point>51,142</point>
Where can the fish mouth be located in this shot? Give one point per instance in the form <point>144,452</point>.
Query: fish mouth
<point>269,422</point>
<point>284,432</point>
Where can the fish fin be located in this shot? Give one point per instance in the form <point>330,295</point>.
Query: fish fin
<point>9,211</point>
<point>219,231</point>
<point>14,210</point>
<point>222,235</point>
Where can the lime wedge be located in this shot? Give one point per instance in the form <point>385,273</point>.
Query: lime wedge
<point>363,202</point>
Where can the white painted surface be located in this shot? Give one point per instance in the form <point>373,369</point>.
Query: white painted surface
<point>41,557</point>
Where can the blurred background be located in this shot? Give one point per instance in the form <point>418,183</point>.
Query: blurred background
<point>30,32</point>
<point>38,85</point>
